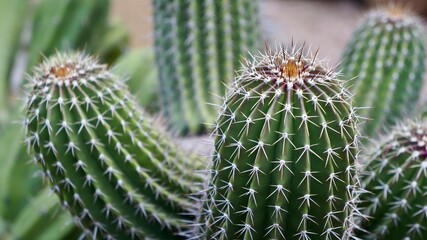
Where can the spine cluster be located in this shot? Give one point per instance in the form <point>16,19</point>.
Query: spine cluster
<point>285,151</point>
<point>386,59</point>
<point>199,45</point>
<point>119,177</point>
<point>396,185</point>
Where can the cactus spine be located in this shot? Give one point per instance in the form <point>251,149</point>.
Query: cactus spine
<point>198,48</point>
<point>285,149</point>
<point>396,183</point>
<point>120,178</point>
<point>387,59</point>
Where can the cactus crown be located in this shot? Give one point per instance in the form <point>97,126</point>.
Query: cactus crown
<point>285,149</point>
<point>396,181</point>
<point>66,69</point>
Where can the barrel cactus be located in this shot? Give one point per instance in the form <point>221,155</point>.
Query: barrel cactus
<point>199,45</point>
<point>118,176</point>
<point>285,149</point>
<point>386,58</point>
<point>395,180</point>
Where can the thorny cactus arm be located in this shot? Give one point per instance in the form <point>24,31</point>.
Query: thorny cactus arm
<point>119,177</point>
<point>386,58</point>
<point>285,151</point>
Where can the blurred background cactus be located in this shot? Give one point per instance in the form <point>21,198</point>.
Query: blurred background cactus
<point>199,45</point>
<point>386,60</point>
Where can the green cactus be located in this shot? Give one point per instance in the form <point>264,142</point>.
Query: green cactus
<point>386,58</point>
<point>395,180</point>
<point>119,177</point>
<point>25,211</point>
<point>199,45</point>
<point>285,151</point>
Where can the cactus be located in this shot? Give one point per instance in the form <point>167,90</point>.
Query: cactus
<point>387,60</point>
<point>395,179</point>
<point>198,48</point>
<point>285,151</point>
<point>119,177</point>
<point>25,211</point>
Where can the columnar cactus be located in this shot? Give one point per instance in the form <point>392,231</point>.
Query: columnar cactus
<point>285,150</point>
<point>396,184</point>
<point>119,177</point>
<point>386,58</point>
<point>199,45</point>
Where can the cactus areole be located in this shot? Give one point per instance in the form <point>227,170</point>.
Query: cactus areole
<point>396,182</point>
<point>117,175</point>
<point>285,149</point>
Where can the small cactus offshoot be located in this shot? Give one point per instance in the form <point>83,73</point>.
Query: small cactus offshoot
<point>285,151</point>
<point>386,58</point>
<point>118,176</point>
<point>395,181</point>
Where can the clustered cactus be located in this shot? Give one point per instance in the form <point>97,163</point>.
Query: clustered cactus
<point>386,58</point>
<point>285,163</point>
<point>117,175</point>
<point>395,181</point>
<point>199,45</point>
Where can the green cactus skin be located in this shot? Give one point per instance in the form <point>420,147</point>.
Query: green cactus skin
<point>119,177</point>
<point>395,179</point>
<point>25,211</point>
<point>199,45</point>
<point>285,151</point>
<point>386,58</point>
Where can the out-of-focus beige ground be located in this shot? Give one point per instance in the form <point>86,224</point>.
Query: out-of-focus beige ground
<point>137,16</point>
